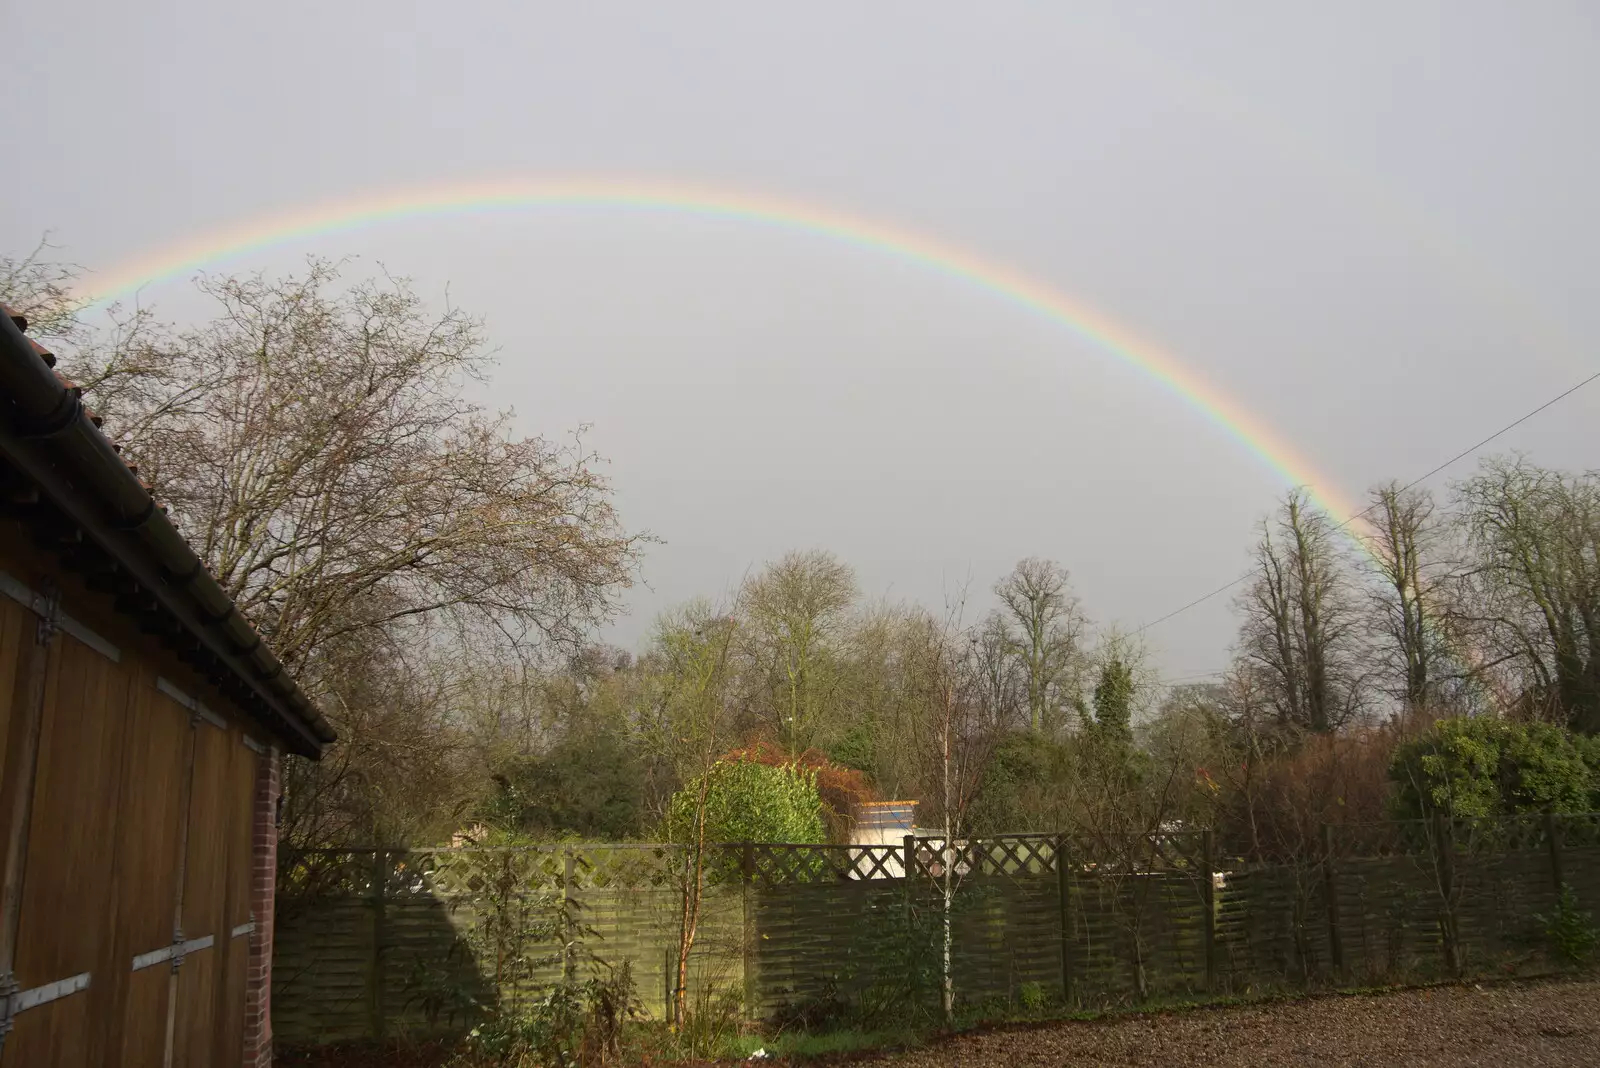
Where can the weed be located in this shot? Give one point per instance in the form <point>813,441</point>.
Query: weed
<point>569,1025</point>
<point>1031,997</point>
<point>1572,932</point>
<point>712,1021</point>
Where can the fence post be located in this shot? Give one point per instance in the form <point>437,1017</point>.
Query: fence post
<point>1444,847</point>
<point>1064,904</point>
<point>380,882</point>
<point>1330,890</point>
<point>1554,843</point>
<point>569,916</point>
<point>1208,847</point>
<point>747,874</point>
<point>908,861</point>
<point>669,980</point>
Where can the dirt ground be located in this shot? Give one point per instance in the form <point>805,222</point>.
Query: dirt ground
<point>1514,1026</point>
<point>1519,1026</point>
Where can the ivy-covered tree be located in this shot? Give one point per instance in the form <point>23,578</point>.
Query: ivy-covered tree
<point>590,784</point>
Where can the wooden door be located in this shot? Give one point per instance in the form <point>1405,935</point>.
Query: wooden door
<point>149,863</point>
<point>205,872</point>
<point>132,914</point>
<point>238,921</point>
<point>67,881</point>
<point>17,626</point>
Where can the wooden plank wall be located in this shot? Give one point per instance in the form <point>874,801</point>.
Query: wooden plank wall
<point>67,884</point>
<point>106,859</point>
<point>148,860</point>
<point>205,884</point>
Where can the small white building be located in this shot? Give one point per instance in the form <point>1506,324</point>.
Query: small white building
<point>882,824</point>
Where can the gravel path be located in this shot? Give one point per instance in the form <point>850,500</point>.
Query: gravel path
<point>1520,1026</point>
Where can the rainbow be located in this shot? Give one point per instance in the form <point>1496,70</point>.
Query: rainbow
<point>230,243</point>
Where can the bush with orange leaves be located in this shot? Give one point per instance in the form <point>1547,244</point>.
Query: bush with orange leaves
<point>1276,800</point>
<point>842,789</point>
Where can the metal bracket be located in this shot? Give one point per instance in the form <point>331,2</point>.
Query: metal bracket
<point>244,929</point>
<point>197,711</point>
<point>253,745</point>
<point>14,1000</point>
<point>47,606</point>
<point>43,995</point>
<point>49,609</point>
<point>174,953</point>
<point>8,991</point>
<point>152,958</point>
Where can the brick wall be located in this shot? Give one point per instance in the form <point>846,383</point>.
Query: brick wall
<point>258,997</point>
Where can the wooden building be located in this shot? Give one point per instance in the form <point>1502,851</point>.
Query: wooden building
<point>142,722</point>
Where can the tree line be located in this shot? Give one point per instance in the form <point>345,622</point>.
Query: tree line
<point>434,580</point>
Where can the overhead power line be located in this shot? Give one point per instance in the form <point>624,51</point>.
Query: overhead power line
<point>1462,455</point>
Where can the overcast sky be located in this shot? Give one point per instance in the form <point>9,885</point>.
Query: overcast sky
<point>1372,224</point>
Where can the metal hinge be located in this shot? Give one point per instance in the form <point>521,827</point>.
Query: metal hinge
<point>197,711</point>
<point>175,953</point>
<point>47,606</point>
<point>43,995</point>
<point>14,1001</point>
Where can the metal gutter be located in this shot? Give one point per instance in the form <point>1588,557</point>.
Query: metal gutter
<point>46,433</point>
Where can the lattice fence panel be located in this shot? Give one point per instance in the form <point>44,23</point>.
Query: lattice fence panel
<point>406,942</point>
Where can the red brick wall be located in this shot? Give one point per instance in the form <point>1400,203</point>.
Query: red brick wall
<point>258,998</point>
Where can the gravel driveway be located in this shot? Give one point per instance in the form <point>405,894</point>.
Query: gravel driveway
<point>1520,1026</point>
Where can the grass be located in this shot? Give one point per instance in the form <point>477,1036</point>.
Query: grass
<point>805,1045</point>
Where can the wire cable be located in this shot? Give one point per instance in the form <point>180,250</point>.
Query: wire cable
<point>1458,457</point>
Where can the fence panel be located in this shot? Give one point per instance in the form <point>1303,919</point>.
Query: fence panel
<point>373,943</point>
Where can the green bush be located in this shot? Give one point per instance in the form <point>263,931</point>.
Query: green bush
<point>1571,931</point>
<point>1481,767</point>
<point>1031,997</point>
<point>588,785</point>
<point>750,802</point>
<point>1022,786</point>
<point>1588,746</point>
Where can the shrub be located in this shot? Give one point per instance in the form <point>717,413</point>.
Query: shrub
<point>589,785</point>
<point>1031,996</point>
<point>747,801</point>
<point>842,789</point>
<point>1571,931</point>
<point>570,1025</point>
<point>1024,786</point>
<point>1481,767</point>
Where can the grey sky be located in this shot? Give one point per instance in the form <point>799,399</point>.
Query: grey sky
<point>1371,224</point>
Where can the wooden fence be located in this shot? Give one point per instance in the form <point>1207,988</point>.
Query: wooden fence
<point>382,943</point>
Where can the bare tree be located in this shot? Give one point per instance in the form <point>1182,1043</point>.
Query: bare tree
<point>954,736</point>
<point>1047,625</point>
<point>1299,626</point>
<point>336,479</point>
<point>1410,604</point>
<point>315,442</point>
<point>796,612</point>
<point>40,287</point>
<point>691,725</point>
<point>1001,682</point>
<point>1535,584</point>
